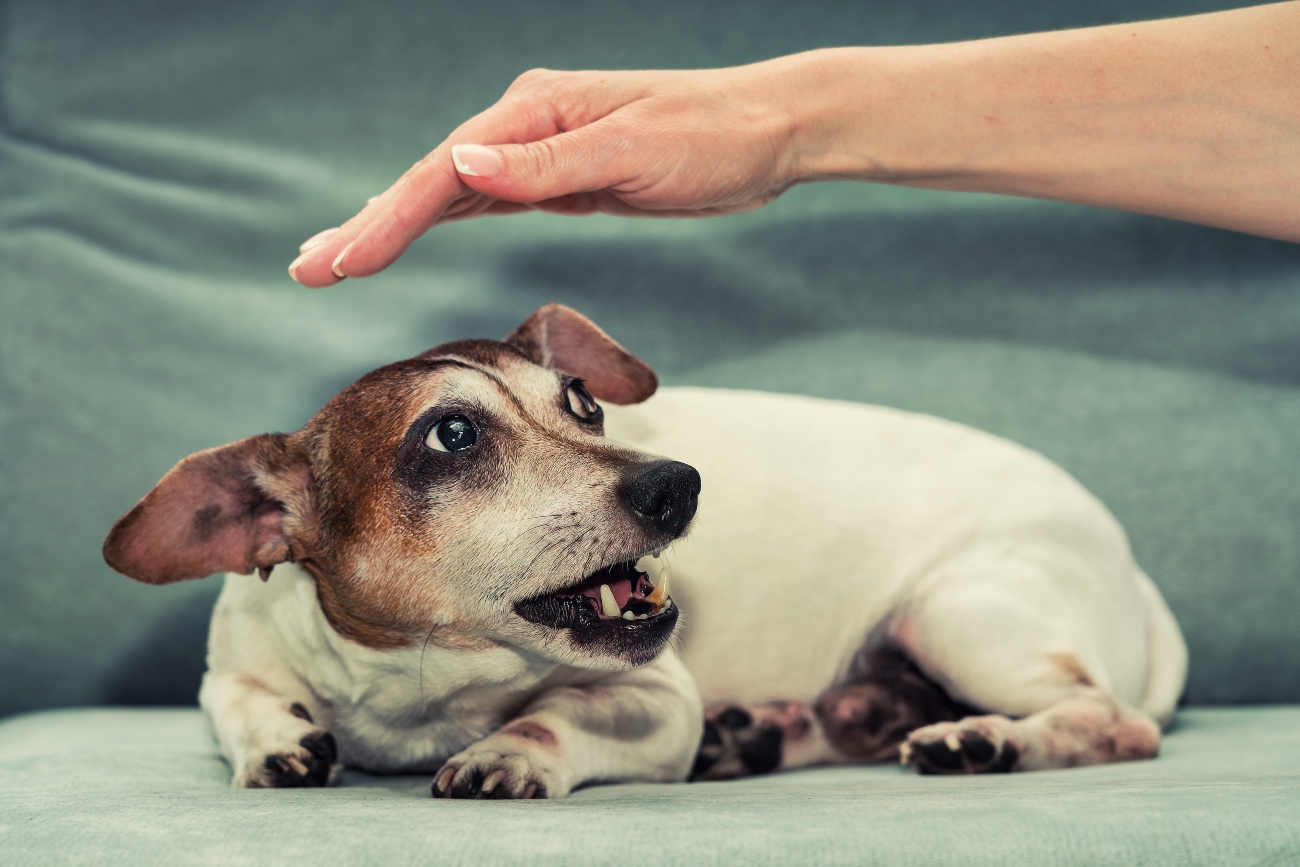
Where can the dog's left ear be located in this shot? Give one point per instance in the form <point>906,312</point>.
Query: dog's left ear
<point>562,338</point>
<point>230,509</point>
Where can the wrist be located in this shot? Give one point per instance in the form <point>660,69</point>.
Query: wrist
<point>880,114</point>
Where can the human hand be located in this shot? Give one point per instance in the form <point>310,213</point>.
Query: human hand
<point>669,144</point>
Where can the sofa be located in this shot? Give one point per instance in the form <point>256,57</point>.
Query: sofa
<point>159,164</point>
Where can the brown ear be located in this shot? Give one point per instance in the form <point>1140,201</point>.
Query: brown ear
<point>561,338</point>
<point>221,510</point>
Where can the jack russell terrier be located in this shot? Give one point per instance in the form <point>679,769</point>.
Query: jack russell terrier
<point>463,571</point>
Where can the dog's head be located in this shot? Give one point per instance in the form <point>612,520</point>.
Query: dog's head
<point>466,496</point>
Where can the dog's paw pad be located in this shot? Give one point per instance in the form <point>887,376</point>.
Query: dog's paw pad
<point>310,764</point>
<point>966,747</point>
<point>737,744</point>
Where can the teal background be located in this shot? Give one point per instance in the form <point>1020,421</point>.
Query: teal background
<point>160,162</point>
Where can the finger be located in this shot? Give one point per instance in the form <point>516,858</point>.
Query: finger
<point>587,159</point>
<point>425,194</point>
<point>384,230</point>
<point>313,265</point>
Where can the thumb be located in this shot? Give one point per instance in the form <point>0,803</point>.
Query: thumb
<point>581,161</point>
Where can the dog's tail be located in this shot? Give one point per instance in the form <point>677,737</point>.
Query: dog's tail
<point>1166,656</point>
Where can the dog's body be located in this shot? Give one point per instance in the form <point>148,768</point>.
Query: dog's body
<point>857,581</point>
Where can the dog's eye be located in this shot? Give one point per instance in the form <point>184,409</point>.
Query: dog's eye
<point>455,433</point>
<point>581,403</point>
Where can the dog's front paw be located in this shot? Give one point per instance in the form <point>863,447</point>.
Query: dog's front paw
<point>975,745</point>
<point>739,741</point>
<point>297,755</point>
<point>501,767</point>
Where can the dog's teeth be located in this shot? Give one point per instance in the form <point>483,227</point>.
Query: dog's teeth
<point>628,615</point>
<point>953,742</point>
<point>659,596</point>
<point>608,606</point>
<point>642,616</point>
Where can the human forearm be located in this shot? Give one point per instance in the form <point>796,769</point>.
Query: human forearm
<point>1194,118</point>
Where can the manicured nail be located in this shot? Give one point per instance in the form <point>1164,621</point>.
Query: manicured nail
<point>477,161</point>
<point>293,267</point>
<point>317,239</point>
<point>337,267</point>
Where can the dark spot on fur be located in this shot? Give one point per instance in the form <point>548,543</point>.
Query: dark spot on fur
<point>206,522</point>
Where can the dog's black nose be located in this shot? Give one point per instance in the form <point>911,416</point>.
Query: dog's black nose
<point>664,494</point>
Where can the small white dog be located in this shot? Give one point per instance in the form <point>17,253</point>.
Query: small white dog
<point>453,554</point>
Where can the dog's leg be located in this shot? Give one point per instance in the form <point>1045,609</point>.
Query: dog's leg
<point>270,741</point>
<point>865,720</point>
<point>641,725</point>
<point>1088,728</point>
<point>1041,652</point>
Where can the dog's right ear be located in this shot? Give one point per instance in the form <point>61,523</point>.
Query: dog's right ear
<point>562,338</point>
<point>229,509</point>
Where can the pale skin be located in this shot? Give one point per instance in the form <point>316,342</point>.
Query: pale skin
<point>1194,118</point>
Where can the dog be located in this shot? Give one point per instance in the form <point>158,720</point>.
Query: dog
<point>462,569</point>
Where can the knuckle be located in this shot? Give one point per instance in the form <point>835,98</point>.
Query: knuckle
<point>530,78</point>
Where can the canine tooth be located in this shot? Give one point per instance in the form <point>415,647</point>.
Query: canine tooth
<point>953,743</point>
<point>659,595</point>
<point>608,606</point>
<point>642,616</point>
<point>905,754</point>
<point>628,615</point>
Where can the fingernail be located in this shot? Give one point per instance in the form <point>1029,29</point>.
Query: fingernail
<point>293,267</point>
<point>317,239</point>
<point>477,161</point>
<point>337,267</point>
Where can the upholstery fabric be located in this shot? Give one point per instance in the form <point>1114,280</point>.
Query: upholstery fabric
<point>146,787</point>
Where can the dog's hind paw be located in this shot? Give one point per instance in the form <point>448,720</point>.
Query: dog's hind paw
<point>975,745</point>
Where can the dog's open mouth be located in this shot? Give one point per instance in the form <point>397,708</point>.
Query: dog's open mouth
<point>618,596</point>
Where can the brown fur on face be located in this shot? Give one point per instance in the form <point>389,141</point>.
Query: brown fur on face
<point>408,543</point>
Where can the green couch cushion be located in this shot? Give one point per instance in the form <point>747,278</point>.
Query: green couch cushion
<point>139,788</point>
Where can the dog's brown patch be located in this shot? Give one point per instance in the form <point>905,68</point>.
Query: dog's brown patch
<point>532,731</point>
<point>381,633</point>
<point>1070,666</point>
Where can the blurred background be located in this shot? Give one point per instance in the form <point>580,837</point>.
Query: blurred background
<point>161,161</point>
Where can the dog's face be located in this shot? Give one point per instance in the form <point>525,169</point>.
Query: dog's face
<point>466,497</point>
